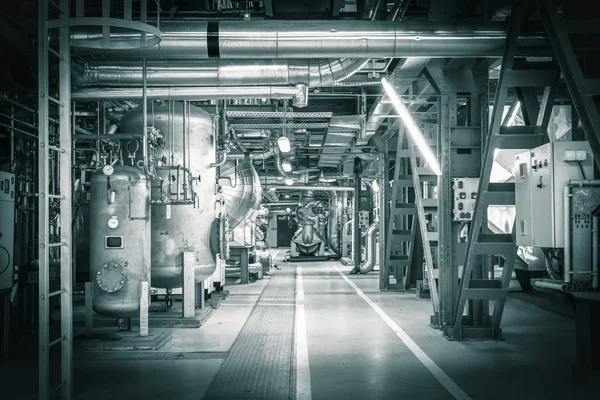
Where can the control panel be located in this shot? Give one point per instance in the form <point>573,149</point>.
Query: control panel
<point>7,229</point>
<point>363,220</point>
<point>465,195</point>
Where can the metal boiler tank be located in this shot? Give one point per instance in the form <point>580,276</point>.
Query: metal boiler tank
<point>183,211</point>
<point>119,239</point>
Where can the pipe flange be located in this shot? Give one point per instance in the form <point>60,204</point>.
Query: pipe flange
<point>111,277</point>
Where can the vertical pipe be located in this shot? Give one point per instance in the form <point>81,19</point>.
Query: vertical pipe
<point>594,252</point>
<point>357,253</point>
<point>144,116</point>
<point>12,137</point>
<point>567,232</point>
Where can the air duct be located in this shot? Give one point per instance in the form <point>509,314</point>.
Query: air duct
<point>321,39</point>
<point>369,263</point>
<point>314,73</point>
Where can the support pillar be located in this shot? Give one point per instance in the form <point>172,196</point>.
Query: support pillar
<point>200,295</point>
<point>89,309</point>
<point>356,222</point>
<point>144,303</point>
<point>244,272</point>
<point>189,284</point>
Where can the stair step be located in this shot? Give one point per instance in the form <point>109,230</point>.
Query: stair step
<point>426,174</point>
<point>432,236</point>
<point>510,141</point>
<point>402,235</point>
<point>404,208</point>
<point>529,78</point>
<point>484,294</point>
<point>498,198</point>
<point>430,203</point>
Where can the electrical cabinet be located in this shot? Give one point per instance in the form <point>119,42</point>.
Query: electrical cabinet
<point>465,196</point>
<point>541,175</point>
<point>7,229</point>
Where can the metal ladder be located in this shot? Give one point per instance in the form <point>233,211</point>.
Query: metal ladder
<point>54,210</point>
<point>481,288</point>
<point>403,213</point>
<point>581,89</point>
<point>426,204</point>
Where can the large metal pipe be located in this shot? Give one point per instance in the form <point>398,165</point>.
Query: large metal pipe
<point>187,93</point>
<point>268,153</point>
<point>369,263</point>
<point>322,39</point>
<point>316,73</point>
<point>322,188</point>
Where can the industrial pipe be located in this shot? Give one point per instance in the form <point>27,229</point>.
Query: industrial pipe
<point>320,39</point>
<point>215,72</point>
<point>567,233</point>
<point>554,285</point>
<point>322,188</point>
<point>187,93</point>
<point>369,263</point>
<point>268,153</point>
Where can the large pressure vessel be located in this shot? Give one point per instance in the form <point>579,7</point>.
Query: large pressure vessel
<point>119,239</point>
<point>180,227</point>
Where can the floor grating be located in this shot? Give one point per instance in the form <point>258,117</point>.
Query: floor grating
<point>260,362</point>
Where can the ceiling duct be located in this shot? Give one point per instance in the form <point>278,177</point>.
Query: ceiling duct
<point>342,133</point>
<point>323,39</point>
<point>243,194</point>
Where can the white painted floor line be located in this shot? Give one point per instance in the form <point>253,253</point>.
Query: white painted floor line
<point>436,371</point>
<point>303,389</point>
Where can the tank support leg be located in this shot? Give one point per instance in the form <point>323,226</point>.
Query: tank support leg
<point>245,274</point>
<point>189,285</point>
<point>200,294</point>
<point>89,310</point>
<point>144,303</point>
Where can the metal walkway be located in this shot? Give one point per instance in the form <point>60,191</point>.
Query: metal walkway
<point>260,363</point>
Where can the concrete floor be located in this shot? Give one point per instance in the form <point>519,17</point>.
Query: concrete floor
<point>352,352</point>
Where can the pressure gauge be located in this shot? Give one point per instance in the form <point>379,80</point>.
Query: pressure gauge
<point>113,223</point>
<point>108,170</point>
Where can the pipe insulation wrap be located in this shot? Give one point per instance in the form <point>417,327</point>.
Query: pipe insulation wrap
<point>369,263</point>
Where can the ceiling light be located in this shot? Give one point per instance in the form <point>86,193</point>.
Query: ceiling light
<point>287,167</point>
<point>375,186</point>
<point>284,144</point>
<point>289,181</point>
<point>411,126</point>
<point>272,188</point>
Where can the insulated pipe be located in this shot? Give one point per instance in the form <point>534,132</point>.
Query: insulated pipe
<point>314,73</point>
<point>369,263</point>
<point>554,285</point>
<point>187,93</point>
<point>322,188</point>
<point>321,39</point>
<point>356,222</point>
<point>567,233</point>
<point>253,156</point>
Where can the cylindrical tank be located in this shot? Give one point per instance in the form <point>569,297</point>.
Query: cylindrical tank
<point>119,239</point>
<point>189,142</point>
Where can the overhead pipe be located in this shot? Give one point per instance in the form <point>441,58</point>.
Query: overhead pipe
<point>321,39</point>
<point>188,93</point>
<point>268,153</point>
<point>321,188</point>
<point>217,72</point>
<point>369,263</point>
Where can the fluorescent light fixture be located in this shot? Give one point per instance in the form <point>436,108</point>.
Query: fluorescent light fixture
<point>272,188</point>
<point>287,167</point>
<point>375,186</point>
<point>289,210</point>
<point>511,120</point>
<point>411,126</point>
<point>289,181</point>
<point>284,144</point>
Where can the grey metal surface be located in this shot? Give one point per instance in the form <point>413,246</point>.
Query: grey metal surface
<point>7,229</point>
<point>260,362</point>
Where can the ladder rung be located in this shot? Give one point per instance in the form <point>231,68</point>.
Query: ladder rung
<point>61,291</point>
<point>517,130</point>
<point>403,154</point>
<point>52,99</point>
<point>57,196</point>
<point>404,180</point>
<point>433,236</point>
<point>485,284</point>
<point>484,294</point>
<point>57,149</point>
<point>54,53</point>
<point>529,78</point>
<point>57,341</point>
<point>405,208</point>
<point>429,203</point>
<point>516,142</point>
<point>498,198</point>
<point>401,234</point>
<point>495,238</point>
<point>426,174</point>
<point>59,244</point>
<point>489,248</point>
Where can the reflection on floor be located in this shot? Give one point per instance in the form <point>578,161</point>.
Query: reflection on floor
<point>248,349</point>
